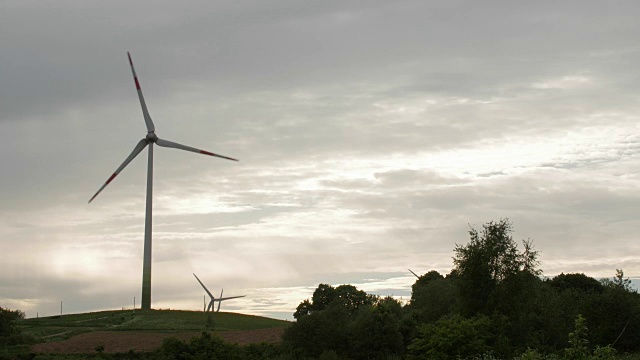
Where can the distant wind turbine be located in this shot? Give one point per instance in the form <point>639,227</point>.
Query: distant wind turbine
<point>150,139</point>
<point>213,299</point>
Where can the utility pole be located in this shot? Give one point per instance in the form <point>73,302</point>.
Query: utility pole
<point>60,308</point>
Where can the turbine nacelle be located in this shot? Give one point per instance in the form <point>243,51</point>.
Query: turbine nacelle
<point>151,137</point>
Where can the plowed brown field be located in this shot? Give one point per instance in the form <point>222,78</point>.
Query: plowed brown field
<point>121,341</point>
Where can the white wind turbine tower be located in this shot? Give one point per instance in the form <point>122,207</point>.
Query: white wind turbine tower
<point>150,139</point>
<point>213,299</point>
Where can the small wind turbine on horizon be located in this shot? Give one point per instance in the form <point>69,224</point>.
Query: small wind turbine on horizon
<point>150,139</point>
<point>213,298</point>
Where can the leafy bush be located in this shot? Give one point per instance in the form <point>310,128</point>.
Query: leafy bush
<point>456,336</point>
<point>9,333</point>
<point>321,330</point>
<point>578,343</point>
<point>375,331</point>
<point>203,347</point>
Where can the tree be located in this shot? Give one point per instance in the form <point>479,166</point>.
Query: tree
<point>348,296</point>
<point>619,282</point>
<point>347,322</point>
<point>319,331</point>
<point>375,331</point>
<point>426,279</point>
<point>576,281</point>
<point>323,296</point>
<point>305,308</point>
<point>434,299</point>
<point>488,259</point>
<point>352,298</point>
<point>9,333</point>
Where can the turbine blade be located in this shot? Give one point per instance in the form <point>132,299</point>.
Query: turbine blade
<point>414,274</point>
<point>145,112</point>
<point>205,288</point>
<point>171,144</point>
<point>139,147</point>
<point>220,301</point>
<point>230,297</point>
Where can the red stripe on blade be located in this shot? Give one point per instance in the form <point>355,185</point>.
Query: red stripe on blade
<point>206,153</point>
<point>111,178</point>
<point>137,83</point>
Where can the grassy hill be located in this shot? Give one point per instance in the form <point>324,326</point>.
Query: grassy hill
<point>57,328</point>
<point>60,327</point>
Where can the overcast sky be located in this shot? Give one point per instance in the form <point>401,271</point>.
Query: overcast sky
<point>371,135</point>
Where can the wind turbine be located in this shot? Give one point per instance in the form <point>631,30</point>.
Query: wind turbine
<point>213,299</point>
<point>150,139</point>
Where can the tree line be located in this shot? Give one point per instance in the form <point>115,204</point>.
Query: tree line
<point>493,303</point>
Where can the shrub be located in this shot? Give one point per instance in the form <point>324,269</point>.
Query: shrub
<point>452,337</point>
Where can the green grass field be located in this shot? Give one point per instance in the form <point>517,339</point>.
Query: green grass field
<point>57,328</point>
<point>54,328</point>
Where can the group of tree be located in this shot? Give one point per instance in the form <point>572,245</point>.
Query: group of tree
<point>494,301</point>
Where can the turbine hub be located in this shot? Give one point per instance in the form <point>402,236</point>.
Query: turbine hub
<point>152,137</point>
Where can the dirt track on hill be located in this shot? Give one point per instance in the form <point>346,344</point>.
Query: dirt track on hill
<point>120,341</point>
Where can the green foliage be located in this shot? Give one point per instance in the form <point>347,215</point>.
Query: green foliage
<point>490,258</point>
<point>375,331</point>
<point>10,334</point>
<point>348,296</point>
<point>578,343</point>
<point>435,298</point>
<point>8,319</point>
<point>604,353</point>
<point>579,282</point>
<point>614,318</point>
<point>319,331</point>
<point>491,276</point>
<point>532,313</point>
<point>203,347</point>
<point>347,322</point>
<point>329,355</point>
<point>305,308</point>
<point>619,282</point>
<point>455,337</point>
<point>532,354</point>
<point>426,279</point>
